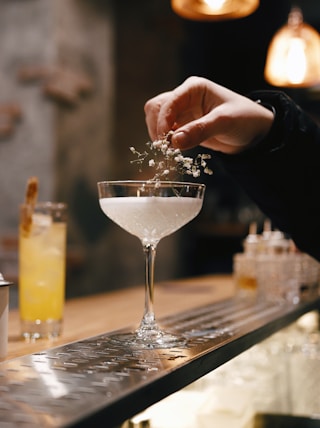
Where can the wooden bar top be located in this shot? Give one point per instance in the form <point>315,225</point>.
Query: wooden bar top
<point>96,314</point>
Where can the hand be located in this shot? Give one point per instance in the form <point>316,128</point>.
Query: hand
<point>202,112</point>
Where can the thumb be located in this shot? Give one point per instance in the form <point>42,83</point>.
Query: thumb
<point>192,134</point>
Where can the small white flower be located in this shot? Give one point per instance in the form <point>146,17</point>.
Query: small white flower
<point>178,158</point>
<point>157,144</point>
<point>170,153</point>
<point>188,159</point>
<point>187,163</point>
<point>166,159</point>
<point>208,171</point>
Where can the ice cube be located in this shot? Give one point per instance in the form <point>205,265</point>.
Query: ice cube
<point>40,223</point>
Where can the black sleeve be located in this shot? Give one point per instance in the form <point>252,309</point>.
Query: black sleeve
<point>282,172</point>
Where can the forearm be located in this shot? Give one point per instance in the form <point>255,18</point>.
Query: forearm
<point>281,173</point>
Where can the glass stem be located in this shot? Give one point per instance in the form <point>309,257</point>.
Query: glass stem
<point>148,322</point>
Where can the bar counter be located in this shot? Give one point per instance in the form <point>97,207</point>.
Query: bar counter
<point>84,379</point>
<point>92,315</point>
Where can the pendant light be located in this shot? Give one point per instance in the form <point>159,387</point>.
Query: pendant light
<point>214,10</point>
<point>293,57</point>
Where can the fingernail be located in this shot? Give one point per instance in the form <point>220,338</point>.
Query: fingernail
<point>179,139</point>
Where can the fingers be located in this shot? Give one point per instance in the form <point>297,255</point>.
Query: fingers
<point>218,130</point>
<point>169,111</point>
<point>196,132</point>
<point>152,110</point>
<point>202,112</point>
<point>190,101</point>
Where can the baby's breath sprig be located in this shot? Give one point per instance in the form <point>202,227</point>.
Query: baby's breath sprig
<point>165,159</point>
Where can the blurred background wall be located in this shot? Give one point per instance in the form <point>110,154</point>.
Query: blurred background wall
<point>78,73</point>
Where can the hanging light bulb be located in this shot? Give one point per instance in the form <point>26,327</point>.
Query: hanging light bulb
<point>293,57</point>
<point>214,10</point>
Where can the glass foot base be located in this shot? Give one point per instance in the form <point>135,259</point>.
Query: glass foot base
<point>38,329</point>
<point>157,340</point>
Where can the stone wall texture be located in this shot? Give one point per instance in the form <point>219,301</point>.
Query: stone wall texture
<point>70,142</point>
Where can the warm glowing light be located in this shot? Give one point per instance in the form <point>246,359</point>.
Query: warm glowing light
<point>215,4</point>
<point>214,10</point>
<point>296,66</point>
<point>293,57</point>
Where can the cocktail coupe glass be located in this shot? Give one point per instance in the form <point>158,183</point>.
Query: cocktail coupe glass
<point>150,210</point>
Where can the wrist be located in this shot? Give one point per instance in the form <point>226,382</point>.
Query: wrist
<point>280,105</point>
